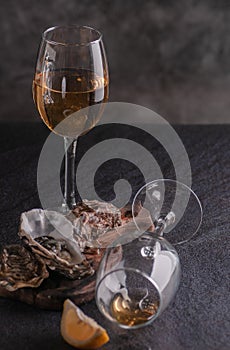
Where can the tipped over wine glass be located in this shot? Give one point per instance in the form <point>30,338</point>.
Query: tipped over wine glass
<point>71,75</point>
<point>140,272</point>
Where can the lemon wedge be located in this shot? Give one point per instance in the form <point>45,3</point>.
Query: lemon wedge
<point>79,330</point>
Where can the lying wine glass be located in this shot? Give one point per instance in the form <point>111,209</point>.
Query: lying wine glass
<point>140,272</point>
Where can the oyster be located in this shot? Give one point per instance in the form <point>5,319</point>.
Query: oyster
<point>64,241</point>
<point>99,224</point>
<point>93,219</point>
<point>50,235</point>
<point>20,268</point>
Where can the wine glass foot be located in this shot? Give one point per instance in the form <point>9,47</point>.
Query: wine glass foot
<point>174,208</point>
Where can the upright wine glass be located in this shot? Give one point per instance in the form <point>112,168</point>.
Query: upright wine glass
<point>71,74</point>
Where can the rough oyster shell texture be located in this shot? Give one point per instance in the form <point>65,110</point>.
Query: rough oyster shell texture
<point>50,235</point>
<point>92,219</point>
<point>20,268</point>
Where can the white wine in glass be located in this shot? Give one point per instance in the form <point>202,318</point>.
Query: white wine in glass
<point>71,91</point>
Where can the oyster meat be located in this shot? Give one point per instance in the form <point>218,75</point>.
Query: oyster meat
<point>50,235</point>
<point>20,268</point>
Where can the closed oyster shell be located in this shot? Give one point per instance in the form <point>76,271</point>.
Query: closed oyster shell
<point>20,268</point>
<point>50,234</point>
<point>92,219</point>
<point>98,224</point>
<point>98,214</point>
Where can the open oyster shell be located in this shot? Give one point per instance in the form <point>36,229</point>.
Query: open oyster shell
<point>64,241</point>
<point>20,268</point>
<point>50,235</point>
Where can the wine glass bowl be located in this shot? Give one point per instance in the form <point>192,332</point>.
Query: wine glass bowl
<point>175,209</point>
<point>71,74</point>
<point>136,281</point>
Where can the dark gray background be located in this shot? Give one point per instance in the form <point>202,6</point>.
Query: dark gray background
<point>171,56</point>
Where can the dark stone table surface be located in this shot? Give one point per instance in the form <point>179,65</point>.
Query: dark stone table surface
<point>198,318</point>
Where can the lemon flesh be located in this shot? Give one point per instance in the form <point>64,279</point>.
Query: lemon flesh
<point>79,330</point>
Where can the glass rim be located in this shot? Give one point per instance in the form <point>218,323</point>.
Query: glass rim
<point>71,26</point>
<point>143,274</point>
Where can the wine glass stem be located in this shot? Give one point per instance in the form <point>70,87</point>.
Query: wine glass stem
<point>159,229</point>
<point>70,173</point>
<point>164,222</point>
